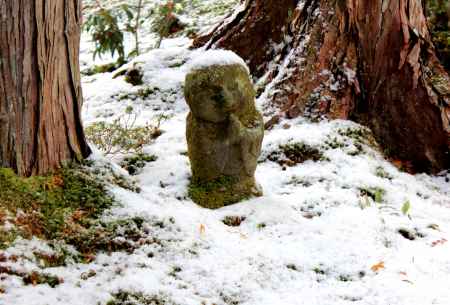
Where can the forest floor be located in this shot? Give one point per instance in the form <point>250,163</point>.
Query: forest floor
<point>338,224</point>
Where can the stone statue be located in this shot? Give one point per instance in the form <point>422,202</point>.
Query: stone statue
<point>224,135</point>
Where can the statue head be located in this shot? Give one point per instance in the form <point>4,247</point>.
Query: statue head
<point>215,92</point>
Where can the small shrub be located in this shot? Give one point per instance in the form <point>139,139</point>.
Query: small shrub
<point>107,27</point>
<point>106,33</point>
<point>122,135</point>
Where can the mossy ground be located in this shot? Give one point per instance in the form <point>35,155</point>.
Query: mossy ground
<point>137,298</point>
<point>134,164</point>
<point>109,67</point>
<point>50,207</point>
<point>295,153</point>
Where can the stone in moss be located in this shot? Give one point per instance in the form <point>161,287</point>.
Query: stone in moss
<point>134,76</point>
<point>224,134</point>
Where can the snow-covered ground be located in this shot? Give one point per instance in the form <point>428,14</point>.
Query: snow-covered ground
<point>326,232</point>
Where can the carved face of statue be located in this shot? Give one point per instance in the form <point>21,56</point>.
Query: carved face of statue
<point>214,93</point>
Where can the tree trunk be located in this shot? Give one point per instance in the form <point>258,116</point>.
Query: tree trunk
<point>40,91</point>
<point>372,61</point>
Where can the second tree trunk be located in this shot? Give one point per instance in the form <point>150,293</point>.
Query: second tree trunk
<point>372,61</point>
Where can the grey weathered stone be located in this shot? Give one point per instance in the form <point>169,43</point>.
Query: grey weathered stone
<point>224,134</point>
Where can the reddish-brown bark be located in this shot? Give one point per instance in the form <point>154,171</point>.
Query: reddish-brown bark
<point>40,92</point>
<point>372,61</point>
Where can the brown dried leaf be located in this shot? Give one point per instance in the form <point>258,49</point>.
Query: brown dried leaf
<point>377,267</point>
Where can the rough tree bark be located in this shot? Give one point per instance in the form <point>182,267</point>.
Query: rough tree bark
<point>40,91</point>
<point>372,61</point>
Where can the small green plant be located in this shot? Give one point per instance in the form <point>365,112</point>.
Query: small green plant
<point>376,193</point>
<point>122,135</point>
<point>107,27</point>
<point>167,22</point>
<point>406,208</point>
<point>106,33</point>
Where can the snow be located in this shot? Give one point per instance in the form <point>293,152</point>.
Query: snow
<point>311,239</point>
<point>203,59</point>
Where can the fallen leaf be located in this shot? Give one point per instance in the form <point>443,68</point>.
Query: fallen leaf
<point>438,242</point>
<point>377,267</point>
<point>434,227</point>
<point>405,277</point>
<point>202,229</point>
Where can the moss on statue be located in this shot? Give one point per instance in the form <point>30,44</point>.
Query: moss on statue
<point>222,191</point>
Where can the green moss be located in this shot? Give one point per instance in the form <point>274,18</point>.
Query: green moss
<point>7,237</point>
<point>376,193</point>
<point>382,173</point>
<point>110,67</point>
<point>294,153</point>
<point>104,236</point>
<point>218,193</point>
<point>36,278</point>
<point>320,269</point>
<point>123,297</point>
<point>261,225</point>
<point>233,221</point>
<point>48,204</point>
<point>134,164</point>
<point>360,134</point>
<point>33,278</point>
<point>146,92</point>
